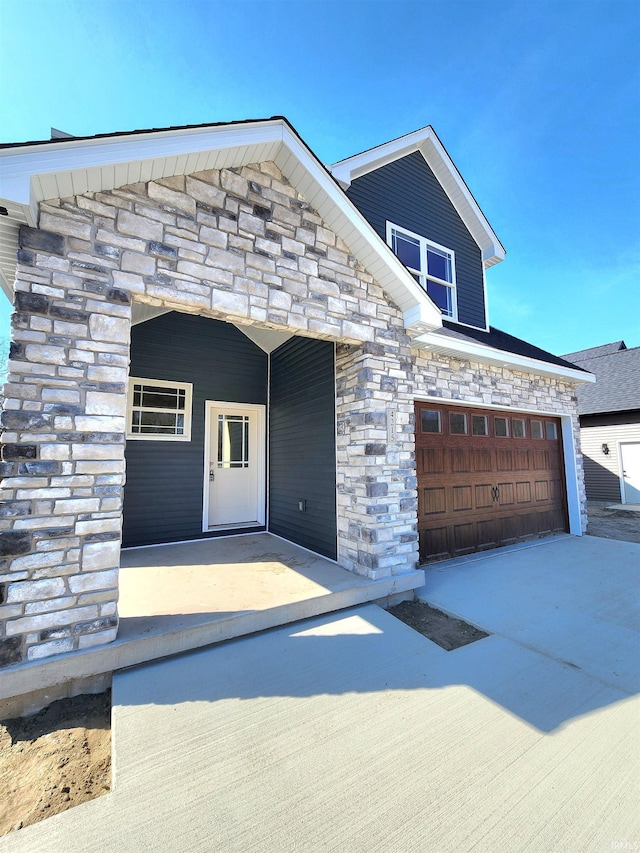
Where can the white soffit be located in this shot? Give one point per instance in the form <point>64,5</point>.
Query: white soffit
<point>140,312</point>
<point>428,144</point>
<point>267,339</point>
<point>62,168</point>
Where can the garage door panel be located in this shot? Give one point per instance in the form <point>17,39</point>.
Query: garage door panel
<point>511,529</point>
<point>434,501</point>
<point>431,460</point>
<point>462,498</point>
<point>504,460</point>
<point>465,538</point>
<point>435,541</point>
<point>491,486</point>
<point>544,522</point>
<point>484,496</point>
<point>488,534</point>
<point>460,460</point>
<point>506,494</point>
<point>541,460</point>
<point>541,488</point>
<point>558,524</point>
<point>482,459</point>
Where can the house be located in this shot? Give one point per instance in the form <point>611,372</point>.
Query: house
<point>609,414</point>
<point>261,343</point>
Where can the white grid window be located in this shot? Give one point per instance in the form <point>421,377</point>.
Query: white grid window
<point>433,266</point>
<point>159,411</point>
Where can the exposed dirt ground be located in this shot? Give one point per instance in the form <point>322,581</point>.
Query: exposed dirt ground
<point>613,523</point>
<point>447,632</point>
<point>61,757</point>
<point>54,760</point>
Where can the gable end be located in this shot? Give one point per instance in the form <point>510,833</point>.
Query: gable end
<point>407,193</point>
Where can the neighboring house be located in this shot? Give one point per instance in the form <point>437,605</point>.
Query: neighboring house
<point>262,343</point>
<point>610,422</point>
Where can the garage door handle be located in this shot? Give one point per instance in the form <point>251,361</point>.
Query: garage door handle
<point>495,493</point>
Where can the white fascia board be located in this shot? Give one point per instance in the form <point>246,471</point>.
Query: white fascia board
<point>18,165</point>
<point>420,318</point>
<point>23,167</point>
<point>428,144</point>
<point>490,355</point>
<point>453,184</point>
<point>350,168</point>
<point>6,288</point>
<point>9,229</point>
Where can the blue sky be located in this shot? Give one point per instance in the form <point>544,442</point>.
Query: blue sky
<point>538,103</point>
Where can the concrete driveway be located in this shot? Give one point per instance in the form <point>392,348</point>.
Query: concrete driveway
<point>350,732</point>
<point>574,600</point>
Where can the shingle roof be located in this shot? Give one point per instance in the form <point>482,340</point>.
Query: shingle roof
<point>502,341</point>
<point>617,385</point>
<point>594,352</point>
<point>115,134</point>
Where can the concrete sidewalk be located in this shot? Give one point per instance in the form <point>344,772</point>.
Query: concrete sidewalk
<point>350,732</point>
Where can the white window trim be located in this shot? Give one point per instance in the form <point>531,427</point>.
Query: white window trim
<point>187,387</point>
<point>422,273</point>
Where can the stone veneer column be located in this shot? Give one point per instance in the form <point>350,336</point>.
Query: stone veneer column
<point>63,450</point>
<point>377,486</point>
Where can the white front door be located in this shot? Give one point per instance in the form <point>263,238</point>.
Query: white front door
<point>234,465</point>
<point>630,458</point>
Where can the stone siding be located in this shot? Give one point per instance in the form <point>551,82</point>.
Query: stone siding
<point>237,245</point>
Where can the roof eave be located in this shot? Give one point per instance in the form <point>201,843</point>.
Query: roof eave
<point>63,168</point>
<point>474,351</point>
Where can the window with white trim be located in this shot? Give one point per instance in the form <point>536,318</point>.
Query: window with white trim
<point>158,410</point>
<point>433,266</point>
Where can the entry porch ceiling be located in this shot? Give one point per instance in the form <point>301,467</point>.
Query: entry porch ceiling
<point>35,172</point>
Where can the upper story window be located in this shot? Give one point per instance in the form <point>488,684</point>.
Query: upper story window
<point>432,266</point>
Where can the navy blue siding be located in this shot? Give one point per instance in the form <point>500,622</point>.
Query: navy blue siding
<point>302,446</point>
<point>163,492</point>
<point>407,193</point>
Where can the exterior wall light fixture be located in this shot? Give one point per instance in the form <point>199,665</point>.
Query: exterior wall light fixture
<point>605,449</point>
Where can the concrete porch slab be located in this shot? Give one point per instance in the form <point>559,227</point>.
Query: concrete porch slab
<point>174,598</point>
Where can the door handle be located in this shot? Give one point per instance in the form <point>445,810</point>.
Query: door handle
<point>212,475</point>
<point>495,493</point>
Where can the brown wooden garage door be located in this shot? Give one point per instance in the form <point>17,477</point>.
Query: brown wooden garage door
<point>486,478</point>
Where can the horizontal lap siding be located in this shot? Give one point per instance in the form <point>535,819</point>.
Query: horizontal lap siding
<point>302,450</point>
<point>407,193</point>
<point>602,471</point>
<point>164,488</point>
